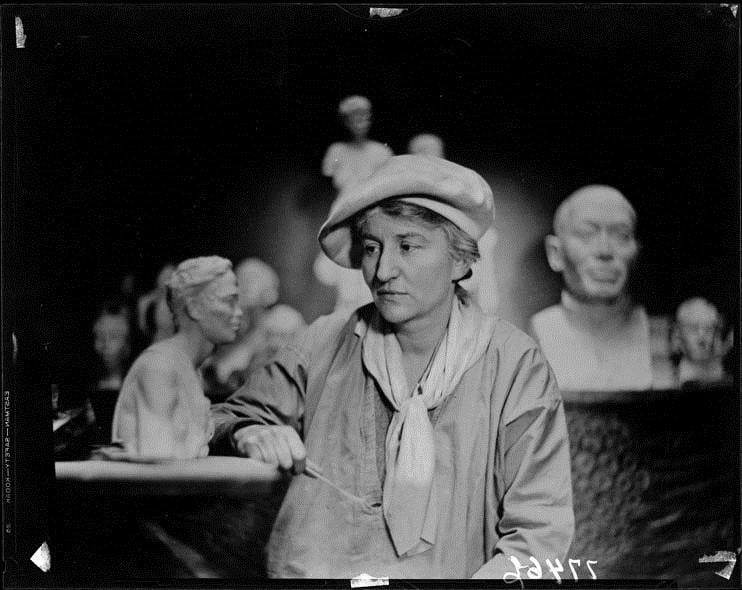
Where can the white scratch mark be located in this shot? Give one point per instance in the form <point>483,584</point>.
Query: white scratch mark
<point>15,347</point>
<point>385,12</point>
<point>20,36</point>
<point>365,580</point>
<point>720,557</point>
<point>42,558</point>
<point>732,7</point>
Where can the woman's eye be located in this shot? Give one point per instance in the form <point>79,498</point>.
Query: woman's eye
<point>370,249</point>
<point>405,247</point>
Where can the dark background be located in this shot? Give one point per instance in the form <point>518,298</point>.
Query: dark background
<point>142,134</point>
<point>133,135</point>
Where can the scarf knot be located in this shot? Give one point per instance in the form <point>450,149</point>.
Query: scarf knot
<point>409,498</point>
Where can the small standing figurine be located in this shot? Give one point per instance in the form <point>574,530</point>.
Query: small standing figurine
<point>162,410</point>
<point>699,344</point>
<point>349,163</point>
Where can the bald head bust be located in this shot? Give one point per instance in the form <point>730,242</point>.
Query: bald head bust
<point>595,338</point>
<point>593,244</point>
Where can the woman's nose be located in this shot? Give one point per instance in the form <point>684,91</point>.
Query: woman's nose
<point>386,267</point>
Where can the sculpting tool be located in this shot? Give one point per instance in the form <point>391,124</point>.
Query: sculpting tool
<point>313,470</point>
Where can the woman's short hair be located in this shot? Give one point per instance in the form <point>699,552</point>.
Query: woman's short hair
<point>461,245</point>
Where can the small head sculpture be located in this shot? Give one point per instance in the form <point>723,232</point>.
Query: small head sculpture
<point>281,324</point>
<point>698,330</point>
<point>258,284</point>
<point>112,335</point>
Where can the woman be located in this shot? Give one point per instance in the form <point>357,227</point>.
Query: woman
<point>441,425</point>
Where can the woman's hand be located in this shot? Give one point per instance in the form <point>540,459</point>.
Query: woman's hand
<point>276,445</point>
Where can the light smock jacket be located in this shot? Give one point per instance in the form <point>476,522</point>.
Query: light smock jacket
<point>502,470</point>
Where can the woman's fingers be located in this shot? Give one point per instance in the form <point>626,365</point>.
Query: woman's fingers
<point>297,449</point>
<point>277,445</point>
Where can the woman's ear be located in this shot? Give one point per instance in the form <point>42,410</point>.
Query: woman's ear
<point>461,270</point>
<point>554,253</point>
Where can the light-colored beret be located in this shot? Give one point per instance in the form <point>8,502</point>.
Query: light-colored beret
<point>457,193</point>
<point>354,103</point>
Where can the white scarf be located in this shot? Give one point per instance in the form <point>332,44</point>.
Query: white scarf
<point>410,505</point>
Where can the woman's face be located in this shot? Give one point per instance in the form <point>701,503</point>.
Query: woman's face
<point>409,269</point>
<point>111,340</point>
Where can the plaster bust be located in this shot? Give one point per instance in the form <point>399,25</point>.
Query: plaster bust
<point>162,411</point>
<point>698,340</point>
<point>595,338</point>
